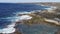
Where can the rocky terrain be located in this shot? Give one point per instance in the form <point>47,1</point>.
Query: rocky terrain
<point>44,17</point>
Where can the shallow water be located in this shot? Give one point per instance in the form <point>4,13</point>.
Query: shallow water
<point>37,29</point>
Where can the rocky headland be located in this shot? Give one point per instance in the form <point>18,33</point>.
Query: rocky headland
<point>51,17</point>
<point>39,16</point>
<point>47,17</point>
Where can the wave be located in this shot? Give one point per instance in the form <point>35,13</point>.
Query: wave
<point>51,8</point>
<point>22,12</point>
<point>10,28</point>
<point>17,18</point>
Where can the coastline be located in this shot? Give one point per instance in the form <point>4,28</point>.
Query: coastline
<point>36,17</point>
<point>39,11</point>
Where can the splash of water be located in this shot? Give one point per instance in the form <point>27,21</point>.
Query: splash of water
<point>10,28</point>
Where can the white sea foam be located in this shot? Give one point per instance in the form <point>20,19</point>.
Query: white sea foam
<point>51,8</point>
<point>22,13</point>
<point>23,17</point>
<point>10,29</point>
<point>15,18</point>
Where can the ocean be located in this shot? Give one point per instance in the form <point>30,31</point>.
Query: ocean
<point>8,16</point>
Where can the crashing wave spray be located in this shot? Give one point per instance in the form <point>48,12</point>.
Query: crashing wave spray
<point>10,28</point>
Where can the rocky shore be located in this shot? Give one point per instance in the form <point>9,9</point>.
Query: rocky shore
<point>41,17</point>
<point>44,17</point>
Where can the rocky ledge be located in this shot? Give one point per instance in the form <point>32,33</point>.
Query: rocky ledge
<point>41,17</point>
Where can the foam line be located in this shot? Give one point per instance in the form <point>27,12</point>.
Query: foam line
<point>10,29</point>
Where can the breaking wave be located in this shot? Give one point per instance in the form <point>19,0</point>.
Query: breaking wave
<point>10,27</point>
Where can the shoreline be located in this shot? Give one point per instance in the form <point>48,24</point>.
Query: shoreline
<point>34,14</point>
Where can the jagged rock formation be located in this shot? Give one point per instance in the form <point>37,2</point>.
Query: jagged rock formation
<point>44,16</point>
